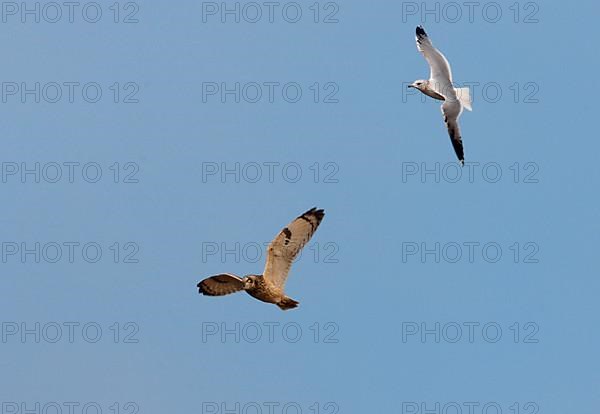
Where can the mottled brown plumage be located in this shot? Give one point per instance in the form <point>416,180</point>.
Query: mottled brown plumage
<point>269,287</point>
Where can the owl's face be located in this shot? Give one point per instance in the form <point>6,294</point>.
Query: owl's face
<point>250,281</point>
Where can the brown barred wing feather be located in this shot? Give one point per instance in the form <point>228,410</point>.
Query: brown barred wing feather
<point>287,244</point>
<point>220,285</point>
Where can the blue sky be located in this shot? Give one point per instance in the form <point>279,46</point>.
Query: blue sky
<point>127,195</point>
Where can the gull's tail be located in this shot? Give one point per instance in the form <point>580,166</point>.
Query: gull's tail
<point>464,96</point>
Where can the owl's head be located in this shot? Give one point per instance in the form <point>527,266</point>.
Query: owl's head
<point>250,281</point>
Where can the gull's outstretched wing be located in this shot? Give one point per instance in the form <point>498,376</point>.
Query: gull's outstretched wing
<point>440,76</point>
<point>451,111</point>
<point>287,244</point>
<point>220,285</point>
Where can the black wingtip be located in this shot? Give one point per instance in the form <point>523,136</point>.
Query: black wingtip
<point>420,31</point>
<point>319,213</point>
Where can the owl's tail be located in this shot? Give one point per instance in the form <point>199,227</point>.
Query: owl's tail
<point>287,303</point>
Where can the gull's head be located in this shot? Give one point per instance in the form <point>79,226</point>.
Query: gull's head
<point>420,84</point>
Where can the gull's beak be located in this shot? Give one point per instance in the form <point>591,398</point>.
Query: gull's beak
<point>411,86</point>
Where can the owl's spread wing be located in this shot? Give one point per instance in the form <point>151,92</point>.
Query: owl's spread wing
<point>287,244</point>
<point>220,285</point>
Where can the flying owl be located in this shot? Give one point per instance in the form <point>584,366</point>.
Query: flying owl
<point>282,251</point>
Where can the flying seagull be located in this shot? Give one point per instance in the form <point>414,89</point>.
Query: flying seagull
<point>439,86</point>
<point>282,251</point>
